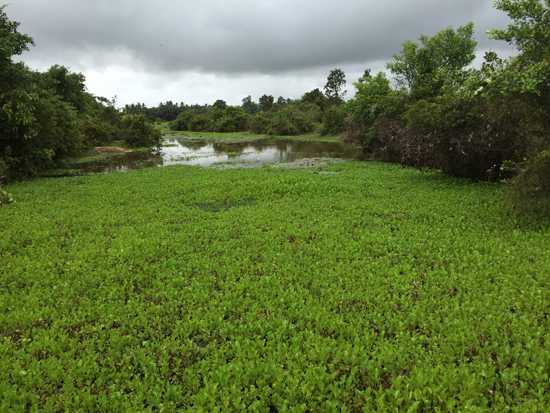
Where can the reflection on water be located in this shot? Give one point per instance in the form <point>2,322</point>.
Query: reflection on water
<point>206,154</point>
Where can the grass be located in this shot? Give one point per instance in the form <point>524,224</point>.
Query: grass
<point>181,288</point>
<point>235,137</point>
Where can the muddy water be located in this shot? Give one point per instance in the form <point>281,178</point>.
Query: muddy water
<point>224,155</point>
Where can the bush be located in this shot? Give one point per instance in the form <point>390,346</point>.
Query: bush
<point>231,124</point>
<point>199,123</point>
<point>527,196</point>
<point>5,198</point>
<point>43,133</point>
<point>94,133</point>
<point>181,123</point>
<point>139,132</point>
<point>260,123</point>
<point>282,125</point>
<point>333,121</point>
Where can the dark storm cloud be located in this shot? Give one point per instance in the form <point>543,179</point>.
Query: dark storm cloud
<point>236,37</point>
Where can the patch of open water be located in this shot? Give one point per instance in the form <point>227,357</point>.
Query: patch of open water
<point>231,155</point>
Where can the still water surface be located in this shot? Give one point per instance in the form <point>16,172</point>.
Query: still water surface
<point>246,154</point>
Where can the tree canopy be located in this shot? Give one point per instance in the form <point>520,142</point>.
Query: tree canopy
<point>424,67</point>
<point>336,81</point>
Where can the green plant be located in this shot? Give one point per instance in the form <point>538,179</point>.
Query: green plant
<point>139,132</point>
<point>333,121</point>
<point>5,198</point>
<point>527,196</point>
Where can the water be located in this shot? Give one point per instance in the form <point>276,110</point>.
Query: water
<point>224,155</point>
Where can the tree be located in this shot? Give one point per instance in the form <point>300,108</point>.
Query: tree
<point>247,104</point>
<point>530,33</point>
<point>69,86</point>
<point>220,104</point>
<point>366,105</point>
<point>282,102</point>
<point>266,102</point>
<point>424,68</point>
<point>317,98</point>
<point>336,81</point>
<point>366,75</point>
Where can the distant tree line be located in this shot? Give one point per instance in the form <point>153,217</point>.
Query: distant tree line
<point>46,117</point>
<point>315,110</point>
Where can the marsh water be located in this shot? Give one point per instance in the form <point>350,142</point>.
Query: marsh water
<point>230,155</point>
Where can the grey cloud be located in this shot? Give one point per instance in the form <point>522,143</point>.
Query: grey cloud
<point>238,37</point>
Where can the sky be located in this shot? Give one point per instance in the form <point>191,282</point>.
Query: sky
<point>198,51</point>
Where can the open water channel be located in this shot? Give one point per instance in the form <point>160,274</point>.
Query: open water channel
<point>284,153</point>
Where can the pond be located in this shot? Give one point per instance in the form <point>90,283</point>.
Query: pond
<point>230,155</point>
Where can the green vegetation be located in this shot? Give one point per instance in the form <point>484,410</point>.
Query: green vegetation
<point>374,289</point>
<point>45,118</point>
<point>227,137</point>
<point>483,124</point>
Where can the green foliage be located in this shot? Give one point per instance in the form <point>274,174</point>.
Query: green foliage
<point>527,196</point>
<point>260,122</point>
<point>233,119</point>
<point>94,133</point>
<point>426,67</point>
<point>336,81</point>
<point>374,289</point>
<point>316,97</point>
<point>333,121</point>
<point>266,102</point>
<point>199,123</point>
<point>281,124</point>
<point>181,123</point>
<point>530,30</point>
<point>294,119</point>
<point>45,117</point>
<point>366,105</point>
<point>5,198</point>
<point>12,43</point>
<point>139,132</point>
<point>530,33</point>
<point>69,86</point>
<point>220,104</point>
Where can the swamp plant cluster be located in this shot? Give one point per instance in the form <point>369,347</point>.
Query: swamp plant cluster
<point>376,288</point>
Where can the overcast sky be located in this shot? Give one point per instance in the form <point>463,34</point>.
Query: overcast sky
<point>197,51</point>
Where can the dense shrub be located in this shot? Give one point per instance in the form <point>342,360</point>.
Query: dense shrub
<point>199,123</point>
<point>527,196</point>
<point>138,131</point>
<point>333,121</point>
<point>294,119</point>
<point>260,123</point>
<point>467,138</point>
<point>281,124</point>
<point>37,131</point>
<point>231,124</point>
<point>181,123</point>
<point>94,133</point>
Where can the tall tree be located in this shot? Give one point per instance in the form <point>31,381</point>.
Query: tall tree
<point>220,104</point>
<point>336,81</point>
<point>282,102</point>
<point>69,86</point>
<point>423,68</point>
<point>266,102</point>
<point>317,98</point>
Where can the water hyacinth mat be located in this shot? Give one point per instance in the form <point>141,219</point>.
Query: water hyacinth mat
<point>171,289</point>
